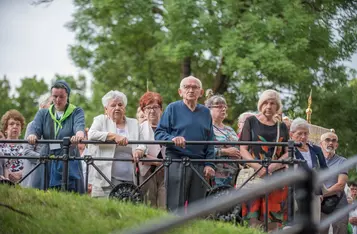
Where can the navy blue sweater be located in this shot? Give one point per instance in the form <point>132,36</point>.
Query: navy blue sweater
<point>179,120</point>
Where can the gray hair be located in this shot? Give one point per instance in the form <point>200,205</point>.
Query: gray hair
<point>215,99</point>
<point>44,100</point>
<point>190,78</point>
<point>113,95</point>
<point>299,123</point>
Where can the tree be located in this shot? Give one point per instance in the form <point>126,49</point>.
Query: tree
<point>7,102</point>
<point>238,48</point>
<point>27,94</point>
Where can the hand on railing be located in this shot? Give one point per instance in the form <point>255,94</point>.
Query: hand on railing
<point>32,139</point>
<point>137,155</point>
<point>77,138</point>
<point>121,140</point>
<point>179,141</point>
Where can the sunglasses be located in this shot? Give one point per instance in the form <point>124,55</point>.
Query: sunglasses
<point>334,140</point>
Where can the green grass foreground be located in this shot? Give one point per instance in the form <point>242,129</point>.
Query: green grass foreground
<point>54,212</point>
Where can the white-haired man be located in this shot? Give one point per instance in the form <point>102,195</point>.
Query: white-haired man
<point>335,185</point>
<point>183,121</point>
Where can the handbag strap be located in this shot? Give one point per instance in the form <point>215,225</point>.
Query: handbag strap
<point>277,138</point>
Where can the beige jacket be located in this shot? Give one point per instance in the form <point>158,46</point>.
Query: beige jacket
<point>99,130</point>
<point>152,150</point>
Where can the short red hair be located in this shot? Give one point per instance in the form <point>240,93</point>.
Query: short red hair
<point>149,98</point>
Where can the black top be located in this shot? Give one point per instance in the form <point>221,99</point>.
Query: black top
<point>254,130</point>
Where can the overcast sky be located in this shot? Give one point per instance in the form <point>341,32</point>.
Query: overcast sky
<point>34,41</point>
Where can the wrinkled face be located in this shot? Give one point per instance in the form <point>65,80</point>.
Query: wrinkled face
<point>300,135</point>
<point>219,111</point>
<point>115,109</point>
<point>330,143</point>
<point>153,112</point>
<point>269,108</point>
<point>59,98</point>
<point>13,129</point>
<point>190,90</point>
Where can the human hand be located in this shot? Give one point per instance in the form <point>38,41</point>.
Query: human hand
<point>262,173</point>
<point>121,140</point>
<point>179,141</point>
<point>32,139</point>
<point>137,155</point>
<point>232,152</point>
<point>77,138</point>
<point>14,177</point>
<point>208,172</point>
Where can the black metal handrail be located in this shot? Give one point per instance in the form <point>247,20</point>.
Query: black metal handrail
<point>306,178</point>
<point>209,205</point>
<point>156,142</point>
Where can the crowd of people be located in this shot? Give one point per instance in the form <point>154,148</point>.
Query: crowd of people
<point>181,121</point>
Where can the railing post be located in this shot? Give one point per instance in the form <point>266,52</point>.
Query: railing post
<point>45,173</point>
<point>305,194</point>
<point>291,203</point>
<point>65,159</point>
<point>167,162</point>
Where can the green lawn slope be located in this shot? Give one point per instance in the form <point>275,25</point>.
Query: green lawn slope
<point>54,212</point>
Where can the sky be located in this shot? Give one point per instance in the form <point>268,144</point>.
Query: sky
<point>34,41</point>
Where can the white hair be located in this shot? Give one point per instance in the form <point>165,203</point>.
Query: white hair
<point>113,95</point>
<point>299,123</point>
<point>190,78</point>
<point>44,100</point>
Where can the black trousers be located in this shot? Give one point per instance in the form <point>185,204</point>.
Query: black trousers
<point>180,189</point>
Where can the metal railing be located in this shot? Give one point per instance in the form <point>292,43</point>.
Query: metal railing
<point>306,179</point>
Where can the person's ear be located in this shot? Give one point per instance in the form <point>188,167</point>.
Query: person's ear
<point>180,92</point>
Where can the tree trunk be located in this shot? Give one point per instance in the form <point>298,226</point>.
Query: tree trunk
<point>186,67</point>
<point>221,80</point>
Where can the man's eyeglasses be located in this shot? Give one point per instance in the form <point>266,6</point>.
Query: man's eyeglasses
<point>333,140</point>
<point>193,87</point>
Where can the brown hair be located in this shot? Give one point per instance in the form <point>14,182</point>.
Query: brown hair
<point>12,114</point>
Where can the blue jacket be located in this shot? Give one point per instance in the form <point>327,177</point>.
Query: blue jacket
<point>317,157</point>
<point>41,127</point>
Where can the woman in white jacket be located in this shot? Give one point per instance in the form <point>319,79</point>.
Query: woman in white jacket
<point>154,190</point>
<point>114,126</point>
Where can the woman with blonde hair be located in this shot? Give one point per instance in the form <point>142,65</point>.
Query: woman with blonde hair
<point>264,128</point>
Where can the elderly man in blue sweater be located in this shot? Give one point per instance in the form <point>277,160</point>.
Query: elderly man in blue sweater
<point>183,121</point>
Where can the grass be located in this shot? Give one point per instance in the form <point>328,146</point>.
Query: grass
<point>55,212</point>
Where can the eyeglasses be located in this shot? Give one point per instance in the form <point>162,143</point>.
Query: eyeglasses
<point>220,106</point>
<point>193,87</point>
<point>153,108</point>
<point>333,140</point>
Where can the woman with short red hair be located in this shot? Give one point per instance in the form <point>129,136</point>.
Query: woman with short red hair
<point>154,190</point>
